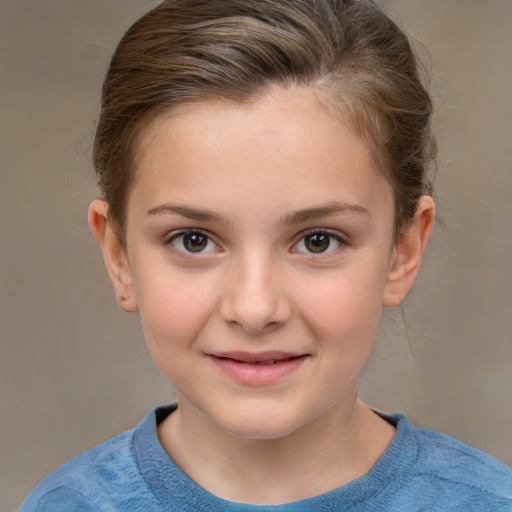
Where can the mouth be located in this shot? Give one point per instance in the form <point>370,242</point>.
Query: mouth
<point>258,368</point>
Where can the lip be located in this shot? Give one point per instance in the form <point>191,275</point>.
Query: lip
<point>258,368</point>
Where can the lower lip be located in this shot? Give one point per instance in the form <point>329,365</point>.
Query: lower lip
<point>258,374</point>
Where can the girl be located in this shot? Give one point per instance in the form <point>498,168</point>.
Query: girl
<point>263,167</point>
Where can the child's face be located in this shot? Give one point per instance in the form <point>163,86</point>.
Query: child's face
<point>258,234</point>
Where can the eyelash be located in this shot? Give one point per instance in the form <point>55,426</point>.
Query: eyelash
<point>331,235</point>
<point>171,238</point>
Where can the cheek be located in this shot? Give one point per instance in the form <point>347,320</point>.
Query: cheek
<point>345,308</point>
<point>173,307</point>
<point>344,317</point>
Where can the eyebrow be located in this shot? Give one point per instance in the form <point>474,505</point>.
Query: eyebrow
<point>188,212</point>
<point>316,212</point>
<point>296,217</point>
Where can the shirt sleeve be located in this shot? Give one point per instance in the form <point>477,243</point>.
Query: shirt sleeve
<point>61,499</point>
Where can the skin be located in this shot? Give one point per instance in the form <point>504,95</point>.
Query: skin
<point>256,180</point>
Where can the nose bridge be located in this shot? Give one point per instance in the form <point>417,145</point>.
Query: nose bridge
<point>254,298</point>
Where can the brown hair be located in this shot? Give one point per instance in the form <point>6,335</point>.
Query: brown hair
<point>191,50</point>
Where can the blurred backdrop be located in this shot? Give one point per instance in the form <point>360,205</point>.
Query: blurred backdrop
<point>74,369</point>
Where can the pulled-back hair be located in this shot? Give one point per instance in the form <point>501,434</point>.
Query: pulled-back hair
<point>185,51</point>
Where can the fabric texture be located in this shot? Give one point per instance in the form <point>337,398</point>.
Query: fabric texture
<point>421,471</point>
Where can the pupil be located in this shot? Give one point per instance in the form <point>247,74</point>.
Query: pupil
<point>317,243</point>
<point>195,242</point>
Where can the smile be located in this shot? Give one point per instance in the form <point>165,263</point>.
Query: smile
<point>257,369</point>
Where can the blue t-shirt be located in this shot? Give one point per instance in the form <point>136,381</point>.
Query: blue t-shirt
<point>421,470</point>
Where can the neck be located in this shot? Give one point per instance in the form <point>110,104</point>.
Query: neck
<point>331,451</point>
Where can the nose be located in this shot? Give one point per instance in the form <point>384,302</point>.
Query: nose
<point>253,298</point>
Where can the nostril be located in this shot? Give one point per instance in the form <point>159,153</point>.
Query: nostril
<point>255,322</point>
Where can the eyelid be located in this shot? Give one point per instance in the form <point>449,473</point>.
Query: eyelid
<point>171,236</point>
<point>339,237</point>
<point>323,231</point>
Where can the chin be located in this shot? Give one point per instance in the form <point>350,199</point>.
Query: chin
<point>259,422</point>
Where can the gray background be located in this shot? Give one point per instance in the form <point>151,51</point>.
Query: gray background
<point>74,369</point>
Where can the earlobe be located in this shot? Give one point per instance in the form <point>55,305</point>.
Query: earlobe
<point>114,254</point>
<point>408,254</point>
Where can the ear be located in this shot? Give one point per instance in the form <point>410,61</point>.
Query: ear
<point>114,254</point>
<point>408,253</point>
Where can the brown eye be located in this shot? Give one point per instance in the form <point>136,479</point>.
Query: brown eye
<point>319,242</point>
<point>193,242</point>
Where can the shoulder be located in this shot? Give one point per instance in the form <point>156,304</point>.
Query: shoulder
<point>58,499</point>
<point>74,485</point>
<point>106,477</point>
<point>453,460</point>
<point>460,474</point>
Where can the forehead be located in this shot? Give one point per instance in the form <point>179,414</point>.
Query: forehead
<point>285,145</point>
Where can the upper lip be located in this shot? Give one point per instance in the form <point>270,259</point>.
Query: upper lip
<point>251,357</point>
